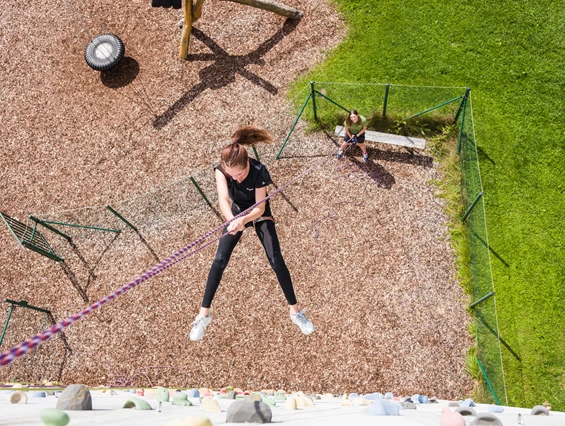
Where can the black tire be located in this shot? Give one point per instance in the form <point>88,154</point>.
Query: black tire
<point>177,4</point>
<point>104,52</point>
<point>166,3</point>
<point>156,3</point>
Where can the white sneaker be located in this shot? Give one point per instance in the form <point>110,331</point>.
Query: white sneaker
<point>199,325</point>
<point>301,321</point>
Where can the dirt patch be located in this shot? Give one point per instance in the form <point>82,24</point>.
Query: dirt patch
<point>366,244</point>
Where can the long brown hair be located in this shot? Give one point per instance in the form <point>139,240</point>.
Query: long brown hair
<point>348,119</point>
<point>235,155</point>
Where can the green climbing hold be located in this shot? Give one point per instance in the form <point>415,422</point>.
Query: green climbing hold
<point>181,398</point>
<point>54,417</point>
<point>269,401</point>
<point>162,394</point>
<point>137,403</point>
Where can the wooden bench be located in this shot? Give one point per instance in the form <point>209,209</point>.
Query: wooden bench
<point>406,141</point>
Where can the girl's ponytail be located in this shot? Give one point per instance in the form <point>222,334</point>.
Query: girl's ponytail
<point>250,135</point>
<point>235,155</point>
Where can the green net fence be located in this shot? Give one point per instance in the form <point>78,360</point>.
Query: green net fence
<point>482,286</point>
<point>393,108</point>
<point>154,224</point>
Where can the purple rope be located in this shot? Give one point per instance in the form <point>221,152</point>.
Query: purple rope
<point>24,347</point>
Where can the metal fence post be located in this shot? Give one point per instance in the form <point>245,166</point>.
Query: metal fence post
<point>200,191</point>
<point>473,204</point>
<point>462,104</point>
<point>256,153</point>
<point>313,94</point>
<point>56,231</point>
<point>23,304</point>
<point>121,217</point>
<point>488,381</point>
<point>6,324</point>
<point>293,126</point>
<point>332,101</point>
<point>482,299</point>
<point>386,99</point>
<point>462,126</point>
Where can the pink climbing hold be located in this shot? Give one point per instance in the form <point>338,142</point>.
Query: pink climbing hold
<point>450,418</point>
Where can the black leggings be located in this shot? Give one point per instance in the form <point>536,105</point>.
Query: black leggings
<point>268,235</point>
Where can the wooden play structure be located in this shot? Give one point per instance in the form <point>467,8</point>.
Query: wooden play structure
<point>193,11</point>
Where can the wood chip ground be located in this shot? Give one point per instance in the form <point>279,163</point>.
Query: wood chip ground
<point>367,245</point>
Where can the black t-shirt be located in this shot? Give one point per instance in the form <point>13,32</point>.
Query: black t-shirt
<point>243,194</point>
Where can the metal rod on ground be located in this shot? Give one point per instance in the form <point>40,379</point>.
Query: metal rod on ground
<point>55,230</point>
<point>387,87</point>
<point>24,347</point>
<point>8,220</point>
<point>313,93</point>
<point>6,324</point>
<point>488,382</point>
<point>436,107</point>
<point>51,255</point>
<point>293,126</point>
<point>119,216</point>
<point>332,101</point>
<point>73,225</point>
<point>462,126</point>
<point>24,304</point>
<point>473,204</point>
<point>462,104</point>
<point>482,299</point>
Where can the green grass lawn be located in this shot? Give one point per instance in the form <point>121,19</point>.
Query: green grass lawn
<point>511,54</point>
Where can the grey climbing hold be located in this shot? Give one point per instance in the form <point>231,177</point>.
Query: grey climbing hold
<point>409,405</point>
<point>249,412</point>
<point>466,411</point>
<point>486,419</point>
<point>540,410</point>
<point>75,397</point>
<point>495,409</point>
<point>453,404</point>
<point>231,395</point>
